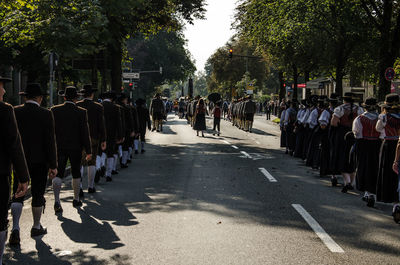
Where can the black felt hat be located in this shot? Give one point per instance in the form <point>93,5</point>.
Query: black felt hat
<point>70,92</point>
<point>333,97</point>
<point>110,95</point>
<point>88,89</point>
<point>370,102</point>
<point>391,100</point>
<point>5,79</point>
<point>140,101</point>
<point>33,90</point>
<point>349,96</point>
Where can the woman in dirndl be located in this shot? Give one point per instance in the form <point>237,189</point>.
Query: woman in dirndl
<point>367,150</point>
<point>200,120</point>
<point>388,179</point>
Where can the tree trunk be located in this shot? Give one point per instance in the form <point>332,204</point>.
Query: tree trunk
<point>94,72</point>
<point>306,79</point>
<point>295,81</point>
<point>340,64</point>
<point>104,72</point>
<point>282,91</point>
<point>116,68</point>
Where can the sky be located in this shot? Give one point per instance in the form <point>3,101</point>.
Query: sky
<point>206,36</point>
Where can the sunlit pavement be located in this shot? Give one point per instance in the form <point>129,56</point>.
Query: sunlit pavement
<point>233,199</point>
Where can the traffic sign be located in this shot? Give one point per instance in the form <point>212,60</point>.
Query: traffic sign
<point>131,75</point>
<point>389,74</point>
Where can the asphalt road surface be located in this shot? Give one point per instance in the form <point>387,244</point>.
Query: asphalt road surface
<point>233,199</point>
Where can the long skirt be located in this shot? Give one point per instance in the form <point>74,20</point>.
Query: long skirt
<point>200,122</point>
<point>290,138</point>
<point>340,152</point>
<point>283,138</point>
<point>298,152</point>
<point>314,152</point>
<point>388,181</point>
<point>324,169</point>
<point>307,140</point>
<point>367,163</point>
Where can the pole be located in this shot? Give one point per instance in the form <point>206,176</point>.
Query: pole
<point>51,78</point>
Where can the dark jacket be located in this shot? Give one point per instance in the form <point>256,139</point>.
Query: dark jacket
<point>135,119</point>
<point>128,119</point>
<point>72,128</point>
<point>95,112</point>
<point>11,150</point>
<point>143,118</point>
<point>113,122</point>
<point>36,126</point>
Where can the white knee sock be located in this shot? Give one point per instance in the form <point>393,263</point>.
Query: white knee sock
<point>115,162</point>
<point>3,237</point>
<point>103,159</point>
<point>120,151</point>
<point>57,188</point>
<point>76,186</point>
<point>130,151</point>
<point>125,155</point>
<point>37,214</point>
<point>110,166</point>
<point>82,170</point>
<point>16,211</point>
<point>136,143</point>
<point>98,162</point>
<point>91,174</point>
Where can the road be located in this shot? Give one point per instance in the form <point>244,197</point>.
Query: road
<point>233,199</point>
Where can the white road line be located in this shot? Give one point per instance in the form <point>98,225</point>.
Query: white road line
<point>328,241</point>
<point>234,146</point>
<point>225,142</point>
<point>246,154</point>
<point>267,175</point>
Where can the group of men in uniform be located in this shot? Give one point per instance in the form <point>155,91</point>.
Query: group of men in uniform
<point>36,143</point>
<point>340,137</point>
<point>242,113</point>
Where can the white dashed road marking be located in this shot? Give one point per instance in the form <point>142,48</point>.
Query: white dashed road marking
<point>267,175</point>
<point>328,241</point>
<point>234,146</point>
<point>246,154</point>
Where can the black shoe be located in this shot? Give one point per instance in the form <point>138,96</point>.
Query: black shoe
<point>103,172</point>
<point>108,179</point>
<point>14,240</point>
<point>38,232</point>
<point>91,190</point>
<point>350,187</point>
<point>334,182</point>
<point>136,152</point>
<point>97,176</point>
<point>344,190</point>
<point>396,214</point>
<point>124,166</point>
<point>114,172</point>
<point>153,129</point>
<point>81,194</point>
<point>142,151</point>
<point>158,130</point>
<point>57,207</point>
<point>286,152</point>
<point>364,198</point>
<point>129,161</point>
<point>76,203</point>
<point>371,201</point>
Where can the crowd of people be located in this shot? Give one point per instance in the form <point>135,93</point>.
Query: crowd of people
<point>339,137</point>
<point>36,143</point>
<point>241,113</point>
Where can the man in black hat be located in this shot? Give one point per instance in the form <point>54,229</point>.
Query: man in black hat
<point>36,126</point>
<point>11,154</point>
<point>157,110</point>
<point>129,129</point>
<point>114,129</point>
<point>73,137</point>
<point>95,112</point>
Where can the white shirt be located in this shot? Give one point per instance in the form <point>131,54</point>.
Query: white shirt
<point>325,118</point>
<point>283,115</point>
<point>305,116</point>
<point>339,111</point>
<point>312,120</point>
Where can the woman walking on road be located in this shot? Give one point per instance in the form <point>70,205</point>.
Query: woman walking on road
<point>200,120</point>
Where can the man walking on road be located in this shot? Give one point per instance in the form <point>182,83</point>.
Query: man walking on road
<point>113,123</point>
<point>36,126</point>
<point>73,137</point>
<point>144,122</point>
<point>97,130</point>
<point>157,110</point>
<point>11,154</point>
